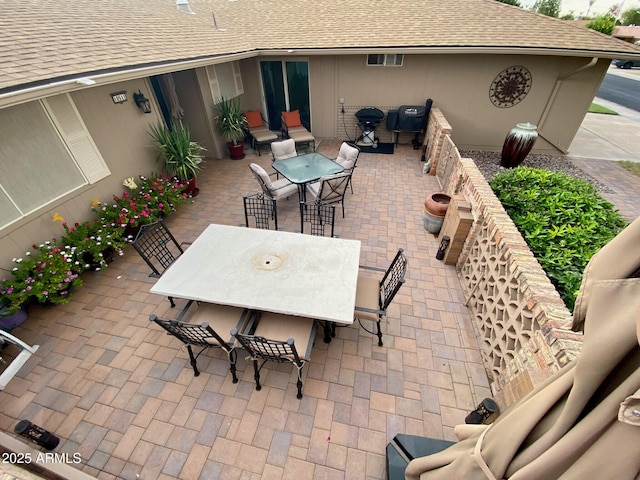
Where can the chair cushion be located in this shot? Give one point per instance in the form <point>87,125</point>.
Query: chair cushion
<point>261,172</point>
<point>284,149</point>
<point>276,326</point>
<point>282,188</point>
<point>254,118</point>
<point>301,134</point>
<point>367,296</point>
<point>347,156</point>
<point>292,119</point>
<point>313,188</point>
<point>330,188</point>
<point>262,134</point>
<point>220,318</point>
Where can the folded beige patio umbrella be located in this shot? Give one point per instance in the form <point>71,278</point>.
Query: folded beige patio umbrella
<point>584,422</point>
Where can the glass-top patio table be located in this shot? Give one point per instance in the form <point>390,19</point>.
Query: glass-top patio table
<point>306,168</point>
<point>275,271</point>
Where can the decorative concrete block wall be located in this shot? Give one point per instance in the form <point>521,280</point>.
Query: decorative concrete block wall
<point>522,324</point>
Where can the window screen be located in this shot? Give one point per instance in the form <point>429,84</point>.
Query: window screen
<point>35,164</point>
<point>389,59</point>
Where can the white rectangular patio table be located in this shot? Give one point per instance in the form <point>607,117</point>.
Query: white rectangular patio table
<point>268,270</point>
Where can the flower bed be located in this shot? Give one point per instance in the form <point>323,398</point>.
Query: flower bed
<point>48,272</point>
<point>148,200</point>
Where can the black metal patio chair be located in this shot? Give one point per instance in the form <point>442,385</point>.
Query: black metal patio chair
<point>319,216</point>
<point>158,248</point>
<point>281,339</point>
<point>330,188</point>
<point>210,322</point>
<point>262,209</point>
<point>374,295</point>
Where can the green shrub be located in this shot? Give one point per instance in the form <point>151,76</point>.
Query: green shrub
<point>603,24</point>
<point>564,220</point>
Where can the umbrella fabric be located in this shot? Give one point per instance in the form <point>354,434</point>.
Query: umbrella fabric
<point>584,421</point>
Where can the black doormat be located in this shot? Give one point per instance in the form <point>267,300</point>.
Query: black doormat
<point>385,148</point>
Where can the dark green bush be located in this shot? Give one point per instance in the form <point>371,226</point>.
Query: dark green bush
<point>563,219</point>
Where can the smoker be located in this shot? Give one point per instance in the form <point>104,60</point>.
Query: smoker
<point>409,118</point>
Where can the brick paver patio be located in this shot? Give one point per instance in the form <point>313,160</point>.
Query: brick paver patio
<point>121,393</point>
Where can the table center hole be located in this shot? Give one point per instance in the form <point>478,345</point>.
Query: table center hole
<point>267,261</point>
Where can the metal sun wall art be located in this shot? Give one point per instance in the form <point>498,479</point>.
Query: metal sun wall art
<point>510,86</point>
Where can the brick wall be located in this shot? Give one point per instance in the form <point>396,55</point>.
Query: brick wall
<point>521,322</point>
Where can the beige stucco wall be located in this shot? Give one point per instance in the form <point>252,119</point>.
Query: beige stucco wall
<point>120,133</point>
<point>562,89</point>
<point>199,110</point>
<point>459,86</point>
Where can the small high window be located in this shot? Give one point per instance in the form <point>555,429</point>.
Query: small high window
<point>385,59</point>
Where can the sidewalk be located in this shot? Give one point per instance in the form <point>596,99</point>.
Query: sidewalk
<point>601,141</point>
<point>608,137</point>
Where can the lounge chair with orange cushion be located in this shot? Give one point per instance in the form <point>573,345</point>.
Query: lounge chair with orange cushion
<point>292,127</point>
<point>258,130</point>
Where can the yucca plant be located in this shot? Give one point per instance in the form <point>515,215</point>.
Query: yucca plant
<point>231,123</point>
<point>179,155</point>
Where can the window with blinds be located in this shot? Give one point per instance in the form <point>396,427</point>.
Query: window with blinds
<point>46,153</point>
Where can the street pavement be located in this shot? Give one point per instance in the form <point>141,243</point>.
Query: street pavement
<point>610,137</point>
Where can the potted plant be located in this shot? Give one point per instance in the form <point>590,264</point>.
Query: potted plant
<point>179,155</point>
<point>93,243</point>
<point>231,125</point>
<point>48,274</point>
<point>12,305</point>
<point>147,200</point>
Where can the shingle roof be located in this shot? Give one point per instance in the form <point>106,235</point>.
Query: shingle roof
<point>44,40</point>
<point>628,31</point>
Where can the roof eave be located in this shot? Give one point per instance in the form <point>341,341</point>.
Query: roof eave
<point>457,50</point>
<point>28,92</point>
<point>69,83</point>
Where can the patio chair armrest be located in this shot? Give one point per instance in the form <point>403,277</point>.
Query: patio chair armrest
<point>184,311</point>
<point>369,310</point>
<point>376,269</point>
<point>279,188</point>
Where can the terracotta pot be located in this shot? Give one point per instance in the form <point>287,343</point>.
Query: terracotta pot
<point>191,188</point>
<point>437,204</point>
<point>236,151</point>
<point>435,208</point>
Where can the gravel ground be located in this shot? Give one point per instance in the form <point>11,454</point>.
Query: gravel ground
<point>489,164</point>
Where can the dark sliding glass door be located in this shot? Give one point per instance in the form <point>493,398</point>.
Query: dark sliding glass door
<point>286,88</point>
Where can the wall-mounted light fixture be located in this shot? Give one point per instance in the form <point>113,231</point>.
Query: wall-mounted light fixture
<point>119,97</point>
<point>142,102</point>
